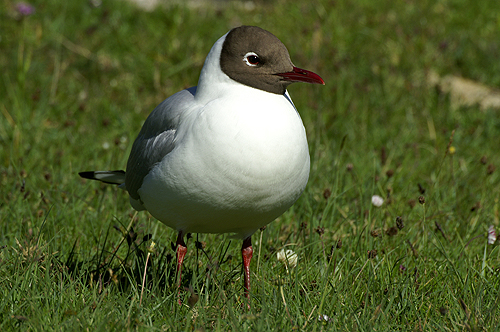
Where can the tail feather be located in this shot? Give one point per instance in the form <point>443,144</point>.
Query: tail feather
<point>111,177</point>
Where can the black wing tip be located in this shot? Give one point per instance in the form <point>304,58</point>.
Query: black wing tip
<point>87,175</point>
<point>91,175</point>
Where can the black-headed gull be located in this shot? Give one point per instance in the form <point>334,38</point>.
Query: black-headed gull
<point>227,156</point>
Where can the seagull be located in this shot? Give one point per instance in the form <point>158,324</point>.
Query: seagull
<point>229,155</point>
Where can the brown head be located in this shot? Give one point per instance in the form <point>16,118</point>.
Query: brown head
<point>257,58</point>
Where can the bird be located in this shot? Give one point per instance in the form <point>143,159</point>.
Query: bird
<point>229,155</point>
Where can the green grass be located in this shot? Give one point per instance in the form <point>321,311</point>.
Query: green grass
<point>77,82</point>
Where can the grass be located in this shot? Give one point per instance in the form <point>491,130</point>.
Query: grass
<point>77,83</point>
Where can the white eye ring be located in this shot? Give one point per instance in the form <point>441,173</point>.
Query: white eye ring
<point>251,59</point>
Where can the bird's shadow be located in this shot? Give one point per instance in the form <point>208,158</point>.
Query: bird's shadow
<point>134,263</point>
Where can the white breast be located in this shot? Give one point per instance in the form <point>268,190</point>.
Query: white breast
<point>239,162</point>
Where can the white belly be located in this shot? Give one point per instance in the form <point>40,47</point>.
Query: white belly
<point>234,169</point>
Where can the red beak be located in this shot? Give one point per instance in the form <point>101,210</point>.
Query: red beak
<point>302,75</point>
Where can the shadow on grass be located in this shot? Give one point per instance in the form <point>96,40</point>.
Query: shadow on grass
<point>125,265</point>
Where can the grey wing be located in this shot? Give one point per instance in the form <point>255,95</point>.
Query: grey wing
<point>156,138</point>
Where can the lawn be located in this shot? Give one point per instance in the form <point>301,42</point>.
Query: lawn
<point>80,77</point>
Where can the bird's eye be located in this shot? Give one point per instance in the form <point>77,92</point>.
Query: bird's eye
<point>251,59</point>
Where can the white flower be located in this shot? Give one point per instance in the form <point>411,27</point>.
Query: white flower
<point>289,257</point>
<point>377,200</point>
<point>492,235</point>
<point>123,142</point>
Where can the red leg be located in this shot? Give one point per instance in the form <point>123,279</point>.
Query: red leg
<point>181,252</point>
<point>246,253</point>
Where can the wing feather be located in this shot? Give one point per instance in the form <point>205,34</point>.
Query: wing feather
<point>111,177</point>
<point>156,138</point>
